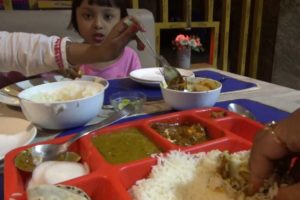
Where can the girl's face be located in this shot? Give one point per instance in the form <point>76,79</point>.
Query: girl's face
<point>95,22</point>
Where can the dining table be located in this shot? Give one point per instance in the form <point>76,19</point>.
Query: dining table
<point>267,101</point>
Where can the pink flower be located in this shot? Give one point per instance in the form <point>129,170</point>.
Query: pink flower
<point>185,41</point>
<point>179,38</point>
<point>198,43</point>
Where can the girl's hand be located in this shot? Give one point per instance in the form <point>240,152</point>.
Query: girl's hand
<point>122,34</point>
<point>111,48</point>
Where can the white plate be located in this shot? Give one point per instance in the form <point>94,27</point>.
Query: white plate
<point>152,76</point>
<point>13,101</point>
<point>146,83</point>
<point>15,132</point>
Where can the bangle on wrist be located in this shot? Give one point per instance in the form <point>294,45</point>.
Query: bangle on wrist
<point>58,54</point>
<point>270,128</point>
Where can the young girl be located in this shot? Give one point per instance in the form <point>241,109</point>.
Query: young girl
<point>31,54</point>
<point>93,20</point>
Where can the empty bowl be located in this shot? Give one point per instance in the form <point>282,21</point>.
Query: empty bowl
<point>200,92</point>
<point>64,104</point>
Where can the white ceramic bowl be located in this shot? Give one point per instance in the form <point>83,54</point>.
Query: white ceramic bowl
<point>40,107</point>
<point>183,100</point>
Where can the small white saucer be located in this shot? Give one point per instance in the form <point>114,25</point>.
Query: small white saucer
<point>15,132</point>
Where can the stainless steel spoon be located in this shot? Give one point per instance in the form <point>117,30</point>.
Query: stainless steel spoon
<point>172,76</point>
<point>13,89</point>
<point>233,107</point>
<point>45,152</point>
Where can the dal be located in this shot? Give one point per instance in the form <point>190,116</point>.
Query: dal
<point>124,146</point>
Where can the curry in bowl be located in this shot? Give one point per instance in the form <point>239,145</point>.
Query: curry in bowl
<point>195,92</point>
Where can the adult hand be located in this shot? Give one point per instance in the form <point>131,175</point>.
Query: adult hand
<point>269,148</point>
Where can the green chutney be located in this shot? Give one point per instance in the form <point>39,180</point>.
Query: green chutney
<point>124,145</point>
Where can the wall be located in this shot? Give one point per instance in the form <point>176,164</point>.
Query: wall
<point>286,68</point>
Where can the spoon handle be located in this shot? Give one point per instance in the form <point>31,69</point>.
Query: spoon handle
<point>161,60</point>
<point>116,116</point>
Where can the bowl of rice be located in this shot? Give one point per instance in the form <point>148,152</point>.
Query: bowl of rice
<point>63,104</point>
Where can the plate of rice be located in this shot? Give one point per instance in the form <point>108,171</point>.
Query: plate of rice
<point>216,175</point>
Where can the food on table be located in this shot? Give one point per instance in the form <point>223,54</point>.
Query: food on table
<point>68,92</point>
<point>63,104</point>
<point>214,175</point>
<point>198,85</point>
<point>218,114</point>
<point>124,145</point>
<point>120,104</point>
<point>52,172</point>
<point>57,192</point>
<point>197,93</point>
<point>183,134</point>
<point>24,160</point>
<point>123,98</point>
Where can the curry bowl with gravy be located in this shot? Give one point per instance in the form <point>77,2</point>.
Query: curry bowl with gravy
<point>195,93</point>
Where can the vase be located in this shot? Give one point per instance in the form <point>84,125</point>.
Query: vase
<point>184,57</point>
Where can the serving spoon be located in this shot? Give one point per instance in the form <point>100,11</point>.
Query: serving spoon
<point>233,107</point>
<point>46,152</point>
<point>171,75</point>
<point>11,90</point>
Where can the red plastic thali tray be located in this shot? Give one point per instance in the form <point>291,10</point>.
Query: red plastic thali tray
<point>231,132</point>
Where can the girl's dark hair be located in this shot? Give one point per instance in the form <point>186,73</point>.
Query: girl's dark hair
<point>122,4</point>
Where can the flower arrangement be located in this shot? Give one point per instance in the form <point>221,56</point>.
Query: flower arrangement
<point>184,41</point>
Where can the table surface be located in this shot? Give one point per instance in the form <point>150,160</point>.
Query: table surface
<point>277,96</point>
<point>280,97</point>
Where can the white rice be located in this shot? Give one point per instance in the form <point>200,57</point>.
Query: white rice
<point>68,92</point>
<point>182,176</point>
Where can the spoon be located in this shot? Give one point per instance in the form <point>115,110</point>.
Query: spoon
<point>45,152</point>
<point>171,75</point>
<point>11,90</point>
<point>233,107</point>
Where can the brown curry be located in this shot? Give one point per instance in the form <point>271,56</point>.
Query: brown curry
<point>184,134</point>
